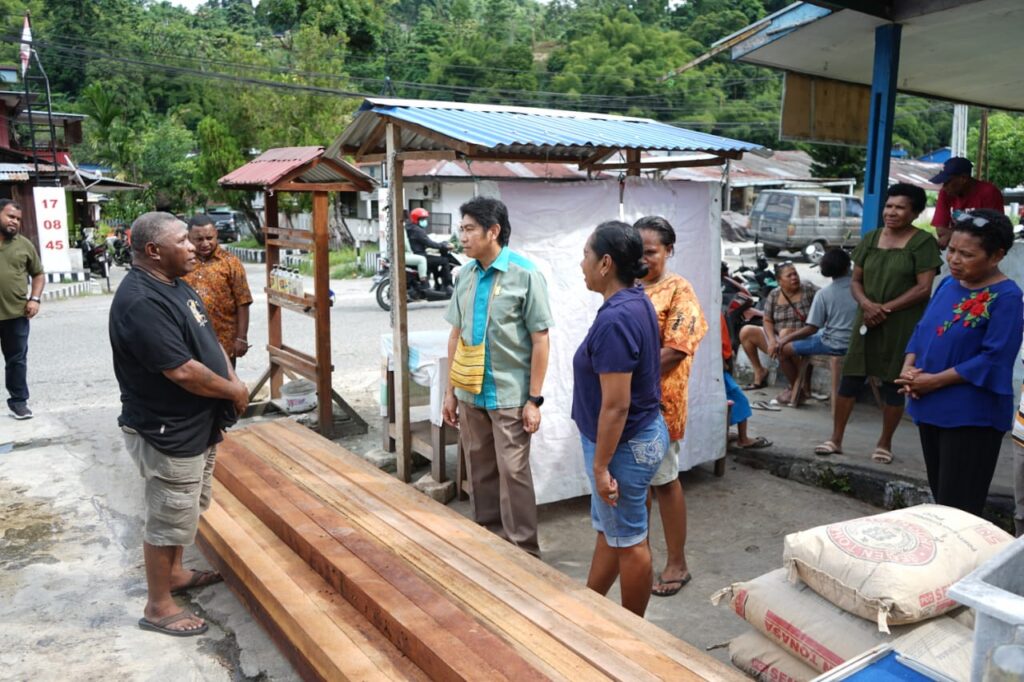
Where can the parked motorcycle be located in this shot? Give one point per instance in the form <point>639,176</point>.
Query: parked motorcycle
<point>95,258</point>
<point>120,249</point>
<point>416,290</point>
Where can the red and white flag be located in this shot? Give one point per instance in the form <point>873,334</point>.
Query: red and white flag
<point>26,45</point>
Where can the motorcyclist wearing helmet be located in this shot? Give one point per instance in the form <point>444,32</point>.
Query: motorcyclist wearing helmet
<point>420,241</point>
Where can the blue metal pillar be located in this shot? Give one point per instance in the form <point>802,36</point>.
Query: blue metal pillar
<point>883,106</point>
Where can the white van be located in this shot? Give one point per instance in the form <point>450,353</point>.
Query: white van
<point>789,220</point>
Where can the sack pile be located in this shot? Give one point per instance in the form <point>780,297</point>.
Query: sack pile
<point>849,586</point>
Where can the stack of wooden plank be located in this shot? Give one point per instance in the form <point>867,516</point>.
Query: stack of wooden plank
<point>357,576</point>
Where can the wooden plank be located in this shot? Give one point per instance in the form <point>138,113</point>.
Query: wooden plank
<point>399,305</point>
<point>304,633</point>
<point>289,302</point>
<point>300,245</point>
<point>599,155</point>
<point>316,187</point>
<point>373,139</point>
<point>390,662</point>
<point>443,140</point>
<point>443,641</point>
<point>292,234</point>
<point>321,292</point>
<point>425,155</point>
<point>483,586</point>
<point>531,639</point>
<point>294,363</point>
<point>542,582</point>
<point>660,165</point>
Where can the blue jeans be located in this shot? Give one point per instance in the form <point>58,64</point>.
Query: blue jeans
<point>813,345</point>
<point>633,466</point>
<point>14,344</point>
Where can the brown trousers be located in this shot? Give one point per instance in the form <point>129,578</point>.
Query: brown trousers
<point>497,451</point>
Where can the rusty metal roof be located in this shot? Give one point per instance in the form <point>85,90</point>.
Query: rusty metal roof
<point>274,165</point>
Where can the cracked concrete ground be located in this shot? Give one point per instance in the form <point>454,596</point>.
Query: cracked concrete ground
<point>71,576</point>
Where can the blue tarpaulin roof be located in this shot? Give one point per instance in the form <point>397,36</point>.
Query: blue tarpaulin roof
<point>485,130</point>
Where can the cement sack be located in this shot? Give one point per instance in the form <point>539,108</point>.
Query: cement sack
<point>759,657</point>
<point>804,624</point>
<point>893,568</point>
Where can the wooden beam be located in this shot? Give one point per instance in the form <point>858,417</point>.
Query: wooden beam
<point>321,292</point>
<point>290,234</point>
<point>315,187</point>
<point>291,363</point>
<point>291,175</point>
<point>358,182</point>
<point>399,304</point>
<point>274,335</point>
<point>444,140</point>
<point>717,49</point>
<point>659,165</point>
<point>373,139</point>
<point>424,155</point>
<point>598,156</point>
<point>633,162</point>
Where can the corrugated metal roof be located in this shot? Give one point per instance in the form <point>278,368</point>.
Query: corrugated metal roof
<point>274,164</point>
<point>492,170</point>
<point>522,131</point>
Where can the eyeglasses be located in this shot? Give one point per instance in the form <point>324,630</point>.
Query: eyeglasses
<point>783,264</point>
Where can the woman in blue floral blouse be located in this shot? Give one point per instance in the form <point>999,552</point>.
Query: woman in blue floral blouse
<point>958,372</point>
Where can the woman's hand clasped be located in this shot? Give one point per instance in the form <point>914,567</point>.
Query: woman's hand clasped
<point>607,487</point>
<point>874,313</point>
<point>915,383</point>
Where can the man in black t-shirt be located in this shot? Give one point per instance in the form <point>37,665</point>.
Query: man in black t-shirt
<point>178,393</point>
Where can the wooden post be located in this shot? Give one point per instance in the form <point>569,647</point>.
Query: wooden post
<point>633,157</point>
<point>321,277</point>
<point>981,168</point>
<point>274,337</point>
<point>399,321</point>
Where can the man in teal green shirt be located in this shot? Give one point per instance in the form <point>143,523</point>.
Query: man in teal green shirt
<point>19,263</point>
<point>501,301</point>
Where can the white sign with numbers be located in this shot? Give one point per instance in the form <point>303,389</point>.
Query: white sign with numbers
<point>52,228</point>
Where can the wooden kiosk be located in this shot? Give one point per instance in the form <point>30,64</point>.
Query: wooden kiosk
<point>301,169</point>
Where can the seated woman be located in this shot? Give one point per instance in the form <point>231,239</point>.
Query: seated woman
<point>786,309</point>
<point>616,404</point>
<point>892,280</point>
<point>829,323</point>
<point>958,371</point>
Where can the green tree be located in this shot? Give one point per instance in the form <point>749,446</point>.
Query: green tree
<point>1005,142</point>
<point>167,162</point>
<point>835,161</point>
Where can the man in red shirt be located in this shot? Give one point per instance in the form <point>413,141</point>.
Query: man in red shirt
<point>960,192</point>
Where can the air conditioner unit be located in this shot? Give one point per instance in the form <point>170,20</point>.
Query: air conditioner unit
<point>430,190</point>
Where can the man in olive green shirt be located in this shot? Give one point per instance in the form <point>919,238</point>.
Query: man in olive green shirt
<point>500,300</point>
<point>19,262</point>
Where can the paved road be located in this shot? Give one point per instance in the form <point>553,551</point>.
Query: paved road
<point>71,580</point>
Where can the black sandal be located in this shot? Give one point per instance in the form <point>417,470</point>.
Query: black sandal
<point>754,387</point>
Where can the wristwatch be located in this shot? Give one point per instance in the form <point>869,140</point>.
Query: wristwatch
<point>35,298</point>
<point>537,400</point>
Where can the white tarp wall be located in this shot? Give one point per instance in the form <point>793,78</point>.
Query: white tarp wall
<point>550,225</point>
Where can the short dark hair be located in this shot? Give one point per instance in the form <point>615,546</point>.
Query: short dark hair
<point>835,263</point>
<point>659,226</point>
<point>918,199</point>
<point>4,203</point>
<point>489,211</point>
<point>201,220</point>
<point>149,228</point>
<point>623,243</point>
<point>995,230</point>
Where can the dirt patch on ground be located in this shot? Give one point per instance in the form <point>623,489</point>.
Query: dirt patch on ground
<point>30,530</point>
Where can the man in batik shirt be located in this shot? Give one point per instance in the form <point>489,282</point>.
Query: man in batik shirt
<point>219,279</point>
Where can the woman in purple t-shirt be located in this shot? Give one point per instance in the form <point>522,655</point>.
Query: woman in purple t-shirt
<point>616,404</point>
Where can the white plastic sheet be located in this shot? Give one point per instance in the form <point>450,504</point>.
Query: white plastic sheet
<point>550,225</point>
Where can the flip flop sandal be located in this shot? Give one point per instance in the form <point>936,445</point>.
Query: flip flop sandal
<point>198,580</point>
<point>756,386</point>
<point>161,625</point>
<point>759,442</point>
<point>827,448</point>
<point>881,456</point>
<point>765,405</point>
<point>678,585</point>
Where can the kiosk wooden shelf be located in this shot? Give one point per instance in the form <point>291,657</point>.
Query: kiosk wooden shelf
<point>310,170</point>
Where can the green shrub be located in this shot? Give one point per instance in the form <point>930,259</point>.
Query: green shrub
<point>247,243</point>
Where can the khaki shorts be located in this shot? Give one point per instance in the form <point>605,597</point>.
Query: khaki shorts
<point>178,489</point>
<point>669,469</point>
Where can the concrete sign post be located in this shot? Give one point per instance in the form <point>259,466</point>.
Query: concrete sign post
<point>52,228</point>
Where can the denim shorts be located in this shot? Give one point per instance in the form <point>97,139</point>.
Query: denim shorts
<point>813,345</point>
<point>633,466</point>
